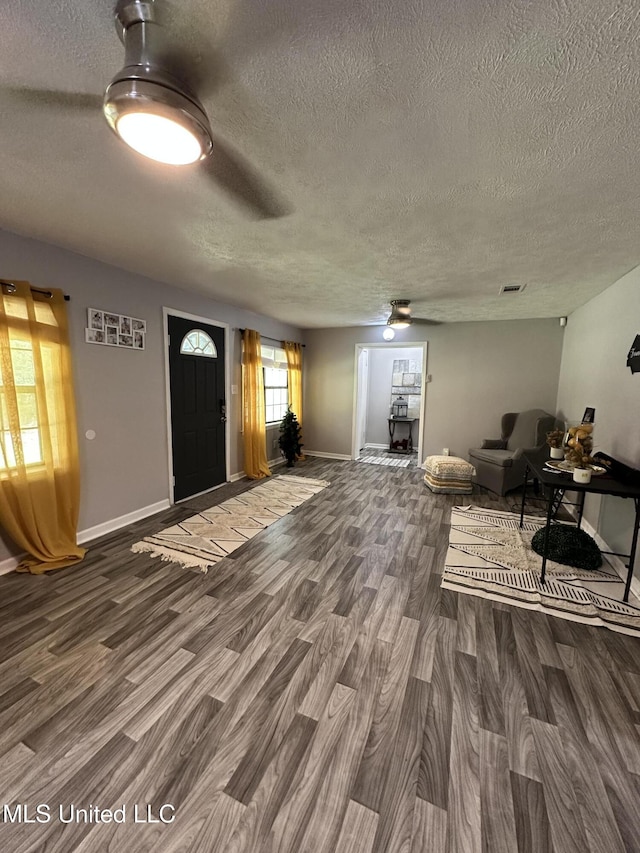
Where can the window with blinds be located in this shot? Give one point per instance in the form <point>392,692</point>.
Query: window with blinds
<point>276,383</point>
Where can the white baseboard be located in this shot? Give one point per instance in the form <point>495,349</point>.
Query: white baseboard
<point>235,477</point>
<point>273,463</point>
<point>325,455</point>
<point>376,446</point>
<point>9,564</point>
<point>121,521</point>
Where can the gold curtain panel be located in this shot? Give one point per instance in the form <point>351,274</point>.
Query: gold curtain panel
<point>253,408</point>
<point>39,468</point>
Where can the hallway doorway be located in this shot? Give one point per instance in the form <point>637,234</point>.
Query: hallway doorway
<point>385,373</point>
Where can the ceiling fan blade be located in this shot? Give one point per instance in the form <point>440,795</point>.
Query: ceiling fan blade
<point>423,321</point>
<point>202,70</point>
<point>191,56</point>
<point>53,97</point>
<point>238,179</point>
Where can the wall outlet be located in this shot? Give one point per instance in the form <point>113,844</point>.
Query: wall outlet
<point>445,451</point>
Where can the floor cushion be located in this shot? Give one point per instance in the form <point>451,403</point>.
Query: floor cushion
<point>568,545</point>
<point>449,475</point>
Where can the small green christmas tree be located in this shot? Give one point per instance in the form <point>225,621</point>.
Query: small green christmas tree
<point>290,434</point>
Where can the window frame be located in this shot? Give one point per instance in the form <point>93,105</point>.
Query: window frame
<point>199,351</point>
<point>274,358</point>
<point>19,330</point>
<point>8,461</point>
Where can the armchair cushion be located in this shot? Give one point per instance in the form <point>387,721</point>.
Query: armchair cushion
<point>503,458</point>
<point>493,444</point>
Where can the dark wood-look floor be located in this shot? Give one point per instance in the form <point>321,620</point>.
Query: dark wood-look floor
<point>316,692</point>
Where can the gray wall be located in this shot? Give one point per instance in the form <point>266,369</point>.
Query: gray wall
<point>121,393</point>
<point>479,371</point>
<point>594,373</point>
<point>379,396</point>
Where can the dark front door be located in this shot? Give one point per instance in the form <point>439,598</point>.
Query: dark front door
<point>196,375</point>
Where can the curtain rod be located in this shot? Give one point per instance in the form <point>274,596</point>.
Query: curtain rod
<point>275,340</point>
<point>12,289</point>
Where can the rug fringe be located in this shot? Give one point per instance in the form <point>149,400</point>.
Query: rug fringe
<point>170,556</point>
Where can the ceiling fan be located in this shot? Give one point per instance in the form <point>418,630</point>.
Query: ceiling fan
<point>401,318</point>
<point>152,105</point>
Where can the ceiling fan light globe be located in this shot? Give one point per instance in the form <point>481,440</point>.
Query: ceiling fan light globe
<point>399,322</point>
<point>157,121</point>
<point>159,138</point>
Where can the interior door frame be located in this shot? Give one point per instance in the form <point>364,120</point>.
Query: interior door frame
<point>175,312</point>
<point>360,413</point>
<point>356,390</point>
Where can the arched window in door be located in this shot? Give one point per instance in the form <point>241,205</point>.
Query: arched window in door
<point>197,342</point>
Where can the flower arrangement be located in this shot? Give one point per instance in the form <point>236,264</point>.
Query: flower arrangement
<point>555,438</point>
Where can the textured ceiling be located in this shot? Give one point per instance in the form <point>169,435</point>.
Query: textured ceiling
<point>431,150</point>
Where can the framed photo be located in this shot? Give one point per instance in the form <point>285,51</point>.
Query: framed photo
<point>111,333</point>
<point>589,416</point>
<point>94,336</point>
<point>125,326</point>
<point>138,340</point>
<point>111,319</point>
<point>96,318</point>
<point>125,340</point>
<point>138,325</point>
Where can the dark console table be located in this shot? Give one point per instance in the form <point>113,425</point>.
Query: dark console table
<point>408,438</point>
<point>619,481</point>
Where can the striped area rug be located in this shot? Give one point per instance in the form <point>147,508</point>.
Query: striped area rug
<point>400,462</point>
<point>206,538</point>
<point>490,556</point>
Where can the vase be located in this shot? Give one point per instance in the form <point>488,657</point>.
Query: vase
<point>556,452</point>
<point>582,475</point>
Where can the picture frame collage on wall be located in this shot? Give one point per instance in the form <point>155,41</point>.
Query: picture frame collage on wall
<point>114,330</point>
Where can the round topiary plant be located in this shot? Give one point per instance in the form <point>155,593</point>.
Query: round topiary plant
<point>569,546</point>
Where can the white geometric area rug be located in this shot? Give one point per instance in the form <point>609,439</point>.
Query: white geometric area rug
<point>386,460</point>
<point>490,556</point>
<point>206,538</point>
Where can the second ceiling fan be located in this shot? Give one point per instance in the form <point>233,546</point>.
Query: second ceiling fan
<point>401,317</point>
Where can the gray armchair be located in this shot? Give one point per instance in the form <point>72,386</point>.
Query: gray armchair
<point>499,463</point>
